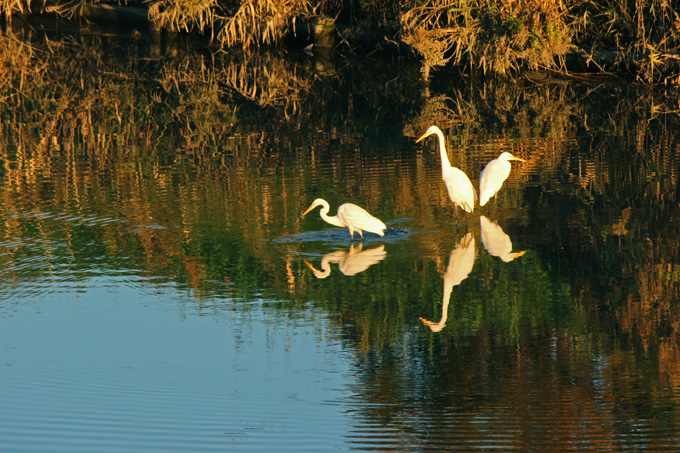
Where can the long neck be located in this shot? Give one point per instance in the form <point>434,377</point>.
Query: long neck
<point>333,220</point>
<point>326,270</point>
<point>321,274</point>
<point>442,150</point>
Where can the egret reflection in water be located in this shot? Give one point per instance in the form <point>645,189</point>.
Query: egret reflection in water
<point>496,242</point>
<point>461,261</point>
<point>350,262</point>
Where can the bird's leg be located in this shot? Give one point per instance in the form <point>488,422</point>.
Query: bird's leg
<point>361,233</point>
<point>455,212</point>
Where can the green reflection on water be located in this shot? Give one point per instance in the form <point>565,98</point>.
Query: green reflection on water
<point>191,174</point>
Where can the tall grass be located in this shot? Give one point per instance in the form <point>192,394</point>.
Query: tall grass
<point>645,32</point>
<point>184,15</point>
<point>494,37</point>
<point>248,24</point>
<point>9,7</point>
<point>642,37</point>
<point>261,21</point>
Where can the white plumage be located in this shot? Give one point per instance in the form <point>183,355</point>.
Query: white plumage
<point>350,216</point>
<point>494,175</point>
<point>458,185</point>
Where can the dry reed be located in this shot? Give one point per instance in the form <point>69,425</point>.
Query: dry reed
<point>494,37</point>
<point>642,37</point>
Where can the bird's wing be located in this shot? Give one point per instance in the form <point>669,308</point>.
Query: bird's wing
<point>493,176</point>
<point>359,218</point>
<point>460,189</point>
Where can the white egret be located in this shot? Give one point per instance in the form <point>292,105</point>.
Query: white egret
<point>461,261</point>
<point>350,216</point>
<point>350,262</point>
<point>496,242</point>
<point>458,185</point>
<point>494,175</point>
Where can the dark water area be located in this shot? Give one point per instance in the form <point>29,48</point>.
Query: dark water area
<point>160,289</point>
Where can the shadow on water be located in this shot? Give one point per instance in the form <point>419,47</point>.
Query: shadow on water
<point>192,177</point>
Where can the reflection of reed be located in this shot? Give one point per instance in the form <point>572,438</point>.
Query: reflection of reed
<point>99,150</point>
<point>653,307</point>
<point>436,109</point>
<point>266,80</point>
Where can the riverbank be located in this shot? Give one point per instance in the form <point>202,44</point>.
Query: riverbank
<point>640,41</point>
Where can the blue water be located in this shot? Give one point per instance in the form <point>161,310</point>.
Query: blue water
<point>159,289</point>
<point>123,367</point>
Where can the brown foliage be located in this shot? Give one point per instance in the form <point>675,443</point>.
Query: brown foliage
<point>248,24</point>
<point>645,34</point>
<point>495,37</point>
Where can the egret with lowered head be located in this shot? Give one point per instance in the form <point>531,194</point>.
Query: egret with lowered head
<point>458,185</point>
<point>350,216</point>
<point>494,175</point>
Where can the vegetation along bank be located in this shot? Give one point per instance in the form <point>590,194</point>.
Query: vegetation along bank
<point>639,39</point>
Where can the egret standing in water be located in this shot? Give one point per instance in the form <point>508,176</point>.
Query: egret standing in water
<point>457,183</point>
<point>349,216</point>
<point>494,175</point>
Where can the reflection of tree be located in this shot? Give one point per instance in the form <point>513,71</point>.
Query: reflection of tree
<point>167,176</point>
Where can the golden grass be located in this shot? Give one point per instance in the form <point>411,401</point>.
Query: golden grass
<point>183,15</point>
<point>248,24</point>
<point>258,22</point>
<point>494,37</point>
<point>9,7</point>
<point>646,33</point>
<point>440,33</point>
<point>642,37</point>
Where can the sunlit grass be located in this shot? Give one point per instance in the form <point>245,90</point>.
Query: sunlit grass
<point>496,38</point>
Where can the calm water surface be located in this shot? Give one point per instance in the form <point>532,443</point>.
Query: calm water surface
<point>159,289</point>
